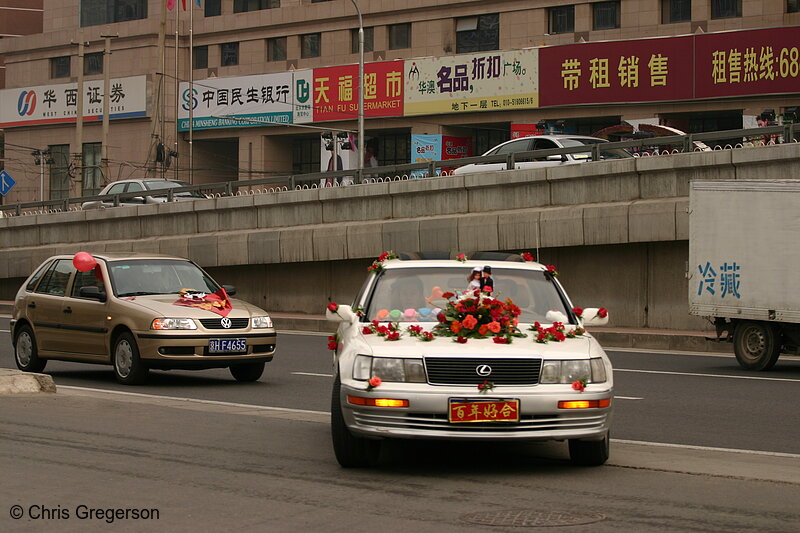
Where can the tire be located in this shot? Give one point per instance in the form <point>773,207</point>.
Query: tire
<point>589,452</point>
<point>128,367</point>
<point>247,372</point>
<point>351,451</point>
<point>756,345</point>
<point>26,353</point>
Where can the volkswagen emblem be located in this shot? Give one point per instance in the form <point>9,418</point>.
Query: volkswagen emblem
<point>483,370</point>
<point>225,322</point>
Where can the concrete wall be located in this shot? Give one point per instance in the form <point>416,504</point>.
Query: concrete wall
<point>617,230</point>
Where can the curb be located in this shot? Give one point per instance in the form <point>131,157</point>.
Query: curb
<point>18,382</point>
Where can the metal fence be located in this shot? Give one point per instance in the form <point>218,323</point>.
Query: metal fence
<point>649,147</point>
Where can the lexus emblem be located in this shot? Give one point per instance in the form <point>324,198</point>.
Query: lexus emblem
<point>225,322</point>
<point>483,370</point>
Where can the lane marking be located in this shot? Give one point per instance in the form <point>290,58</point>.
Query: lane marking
<point>757,378</point>
<point>627,398</point>
<point>5,331</point>
<point>312,374</point>
<point>667,352</point>
<point>706,448</point>
<point>300,332</point>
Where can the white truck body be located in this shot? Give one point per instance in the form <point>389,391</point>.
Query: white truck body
<point>744,264</point>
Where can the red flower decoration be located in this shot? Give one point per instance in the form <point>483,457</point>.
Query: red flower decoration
<point>461,257</point>
<point>602,312</point>
<point>427,336</point>
<point>393,336</point>
<point>441,318</point>
<point>578,312</point>
<point>367,330</point>
<point>373,382</point>
<point>447,295</point>
<point>470,322</point>
<point>500,340</point>
<point>552,270</point>
<point>333,343</point>
<point>579,385</point>
<point>526,256</point>
<point>333,307</point>
<point>461,340</point>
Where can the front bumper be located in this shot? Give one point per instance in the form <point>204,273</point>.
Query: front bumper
<point>190,350</point>
<point>426,417</point>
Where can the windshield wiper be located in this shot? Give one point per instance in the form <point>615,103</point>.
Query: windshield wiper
<point>138,293</point>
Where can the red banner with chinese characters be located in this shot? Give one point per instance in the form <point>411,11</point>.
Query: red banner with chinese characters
<point>217,302</point>
<point>643,70</point>
<point>336,91</point>
<point>747,62</point>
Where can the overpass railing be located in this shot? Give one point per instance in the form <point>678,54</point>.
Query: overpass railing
<point>652,146</point>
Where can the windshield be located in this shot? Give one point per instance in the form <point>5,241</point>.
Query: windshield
<point>414,294</point>
<point>165,184</point>
<point>616,153</point>
<point>137,277</point>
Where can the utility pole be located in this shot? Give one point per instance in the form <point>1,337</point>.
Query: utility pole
<point>42,158</point>
<point>106,102</point>
<point>78,157</point>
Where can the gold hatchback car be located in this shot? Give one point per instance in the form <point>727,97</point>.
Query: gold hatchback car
<point>137,312</point>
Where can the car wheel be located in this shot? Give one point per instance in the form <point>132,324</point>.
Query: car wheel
<point>128,367</point>
<point>756,345</point>
<point>26,354</point>
<point>247,372</point>
<point>351,451</point>
<point>589,452</point>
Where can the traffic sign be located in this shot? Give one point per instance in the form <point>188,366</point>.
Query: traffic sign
<point>6,182</point>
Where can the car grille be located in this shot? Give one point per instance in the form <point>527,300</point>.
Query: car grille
<point>216,323</point>
<point>462,371</point>
<point>532,424</point>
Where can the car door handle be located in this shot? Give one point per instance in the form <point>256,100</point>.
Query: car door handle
<point>32,305</point>
<point>67,309</point>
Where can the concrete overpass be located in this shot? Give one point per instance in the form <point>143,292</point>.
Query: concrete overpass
<point>617,231</point>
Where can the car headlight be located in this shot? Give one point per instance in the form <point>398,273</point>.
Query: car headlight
<point>592,370</point>
<point>260,322</point>
<point>173,323</point>
<point>389,369</point>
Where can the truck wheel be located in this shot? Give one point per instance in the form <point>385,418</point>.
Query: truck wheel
<point>756,345</point>
<point>589,452</point>
<point>351,451</point>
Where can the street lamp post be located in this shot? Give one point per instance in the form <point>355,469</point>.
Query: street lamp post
<point>360,92</point>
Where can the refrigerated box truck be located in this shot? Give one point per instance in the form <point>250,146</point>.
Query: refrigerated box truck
<point>744,265</point>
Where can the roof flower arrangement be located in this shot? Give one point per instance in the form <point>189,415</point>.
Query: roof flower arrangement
<point>377,265</point>
<point>528,257</point>
<point>551,269</point>
<point>461,257</point>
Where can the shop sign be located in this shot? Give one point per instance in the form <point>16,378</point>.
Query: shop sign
<point>237,102</point>
<point>303,96</point>
<point>485,81</point>
<point>336,91</point>
<point>643,70</point>
<point>747,62</point>
<point>58,104</point>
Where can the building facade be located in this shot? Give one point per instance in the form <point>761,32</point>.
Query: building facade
<point>273,84</point>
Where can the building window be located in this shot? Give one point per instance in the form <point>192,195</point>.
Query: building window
<point>605,15</point>
<point>676,11</point>
<point>59,171</point>
<point>309,45</point>
<point>240,6</point>
<point>276,49</point>
<point>95,12</point>
<point>369,40</point>
<point>92,175</point>
<point>394,149</point>
<point>561,20</point>
<point>476,34</point>
<point>399,36</point>
<point>792,6</point>
<point>306,156</point>
<point>229,53</point>
<point>200,57</point>
<point>723,9</point>
<point>59,67</point>
<point>212,8</point>
<point>93,63</point>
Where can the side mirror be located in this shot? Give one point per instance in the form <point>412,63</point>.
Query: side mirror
<point>555,158</point>
<point>230,289</point>
<point>593,316</point>
<point>345,313</point>
<point>137,200</point>
<point>93,293</point>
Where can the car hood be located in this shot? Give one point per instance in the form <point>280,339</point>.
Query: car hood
<point>162,305</point>
<point>408,346</point>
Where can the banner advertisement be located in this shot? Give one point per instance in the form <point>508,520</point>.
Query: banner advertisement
<point>643,70</point>
<point>747,62</point>
<point>237,102</point>
<point>58,104</point>
<point>303,101</point>
<point>336,91</point>
<point>426,148</point>
<point>525,130</point>
<point>456,147</point>
<point>486,81</point>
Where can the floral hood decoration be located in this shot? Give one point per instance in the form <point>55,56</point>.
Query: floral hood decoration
<point>391,330</point>
<point>476,315</point>
<point>555,333</point>
<point>377,265</point>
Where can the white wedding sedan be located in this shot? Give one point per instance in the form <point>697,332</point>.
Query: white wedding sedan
<point>417,356</point>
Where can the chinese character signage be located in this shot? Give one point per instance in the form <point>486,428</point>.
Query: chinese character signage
<point>720,280</point>
<point>617,71</point>
<point>486,81</point>
<point>58,104</point>
<point>747,62</point>
<point>335,93</point>
<point>237,102</point>
<point>303,96</point>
